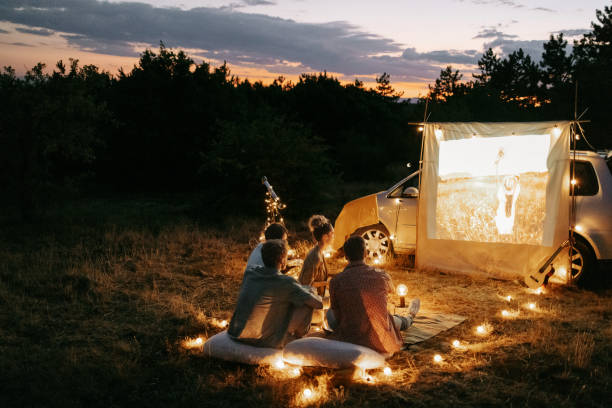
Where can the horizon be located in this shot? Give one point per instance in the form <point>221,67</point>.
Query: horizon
<point>262,40</point>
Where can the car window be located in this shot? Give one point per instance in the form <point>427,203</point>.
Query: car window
<point>586,179</point>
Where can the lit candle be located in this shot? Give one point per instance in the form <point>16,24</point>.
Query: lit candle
<point>505,313</point>
<point>481,329</point>
<point>532,306</point>
<point>307,393</point>
<point>437,358</point>
<point>456,343</point>
<point>402,290</point>
<point>387,370</point>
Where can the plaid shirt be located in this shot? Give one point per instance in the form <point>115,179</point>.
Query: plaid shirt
<point>359,303</point>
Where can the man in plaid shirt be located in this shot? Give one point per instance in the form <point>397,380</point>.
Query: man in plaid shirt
<point>358,312</point>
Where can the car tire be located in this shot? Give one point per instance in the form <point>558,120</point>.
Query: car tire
<point>378,241</point>
<point>584,264</point>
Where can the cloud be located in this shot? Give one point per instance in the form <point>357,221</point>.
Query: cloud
<point>250,39</point>
<point>36,31</point>
<point>547,10</point>
<point>507,3</point>
<point>465,57</point>
<point>492,32</point>
<point>533,48</point>
<point>573,32</point>
<point>248,3</point>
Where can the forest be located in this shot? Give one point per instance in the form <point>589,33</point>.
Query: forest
<point>170,126</point>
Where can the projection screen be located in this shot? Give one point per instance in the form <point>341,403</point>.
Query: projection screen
<point>494,196</point>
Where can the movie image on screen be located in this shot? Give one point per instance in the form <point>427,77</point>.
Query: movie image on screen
<point>492,189</point>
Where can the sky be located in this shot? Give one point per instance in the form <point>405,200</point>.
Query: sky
<point>264,39</point>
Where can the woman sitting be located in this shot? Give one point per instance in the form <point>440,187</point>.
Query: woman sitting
<point>315,269</point>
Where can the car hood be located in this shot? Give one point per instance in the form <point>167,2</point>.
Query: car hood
<point>355,214</point>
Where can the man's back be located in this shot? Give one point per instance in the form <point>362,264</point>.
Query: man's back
<point>265,305</point>
<point>359,303</point>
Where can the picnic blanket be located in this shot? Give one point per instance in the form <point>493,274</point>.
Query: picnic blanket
<point>427,324</point>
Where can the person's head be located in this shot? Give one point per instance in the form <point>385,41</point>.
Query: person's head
<point>322,230</point>
<point>274,253</point>
<point>355,249</point>
<point>276,231</point>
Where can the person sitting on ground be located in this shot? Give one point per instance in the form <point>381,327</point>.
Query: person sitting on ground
<point>358,312</point>
<point>314,268</point>
<point>272,309</point>
<point>273,231</point>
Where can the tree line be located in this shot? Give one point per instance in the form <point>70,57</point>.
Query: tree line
<point>170,125</point>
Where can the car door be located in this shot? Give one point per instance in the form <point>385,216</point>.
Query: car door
<point>406,200</point>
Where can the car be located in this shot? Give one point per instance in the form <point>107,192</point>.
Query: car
<point>388,220</point>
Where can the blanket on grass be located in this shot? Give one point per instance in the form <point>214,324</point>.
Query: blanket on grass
<point>427,324</point>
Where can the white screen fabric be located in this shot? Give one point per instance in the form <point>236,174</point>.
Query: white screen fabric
<point>494,197</point>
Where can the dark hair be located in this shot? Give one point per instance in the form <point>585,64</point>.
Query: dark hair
<point>319,226</point>
<point>354,248</point>
<point>275,231</point>
<point>273,251</point>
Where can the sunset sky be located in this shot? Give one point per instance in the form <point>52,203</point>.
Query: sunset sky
<point>262,39</point>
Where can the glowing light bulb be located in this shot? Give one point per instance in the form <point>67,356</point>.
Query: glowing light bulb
<point>508,298</point>
<point>456,343</point>
<point>578,228</point>
<point>199,341</point>
<point>397,201</point>
<point>437,358</point>
<point>577,137</point>
<point>573,182</point>
<point>392,237</point>
<point>307,393</point>
<point>327,254</point>
<point>420,128</point>
<point>376,261</point>
<point>296,371</point>
<point>223,323</point>
<point>279,364</point>
<point>532,306</point>
<point>402,290</point>
<point>387,370</point>
<point>317,329</point>
<point>538,291</point>
<point>481,329</point>
<point>556,131</point>
<point>439,134</point>
<point>505,313</point>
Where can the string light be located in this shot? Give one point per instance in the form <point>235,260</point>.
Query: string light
<point>556,131</point>
<point>438,133</point>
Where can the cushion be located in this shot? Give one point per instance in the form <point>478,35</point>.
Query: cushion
<point>222,346</point>
<point>316,351</point>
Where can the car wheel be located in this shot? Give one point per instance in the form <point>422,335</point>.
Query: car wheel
<point>583,262</point>
<point>378,241</point>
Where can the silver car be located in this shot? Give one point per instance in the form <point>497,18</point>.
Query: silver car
<point>394,230</point>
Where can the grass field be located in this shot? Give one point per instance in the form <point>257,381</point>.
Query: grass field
<point>466,210</point>
<point>96,306</point>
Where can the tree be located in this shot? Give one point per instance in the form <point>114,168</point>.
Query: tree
<point>384,87</point>
<point>446,85</point>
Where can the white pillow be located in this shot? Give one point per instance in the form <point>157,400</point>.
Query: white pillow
<point>316,351</point>
<point>222,346</point>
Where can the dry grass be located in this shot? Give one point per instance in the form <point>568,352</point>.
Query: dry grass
<point>466,210</point>
<point>107,313</point>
